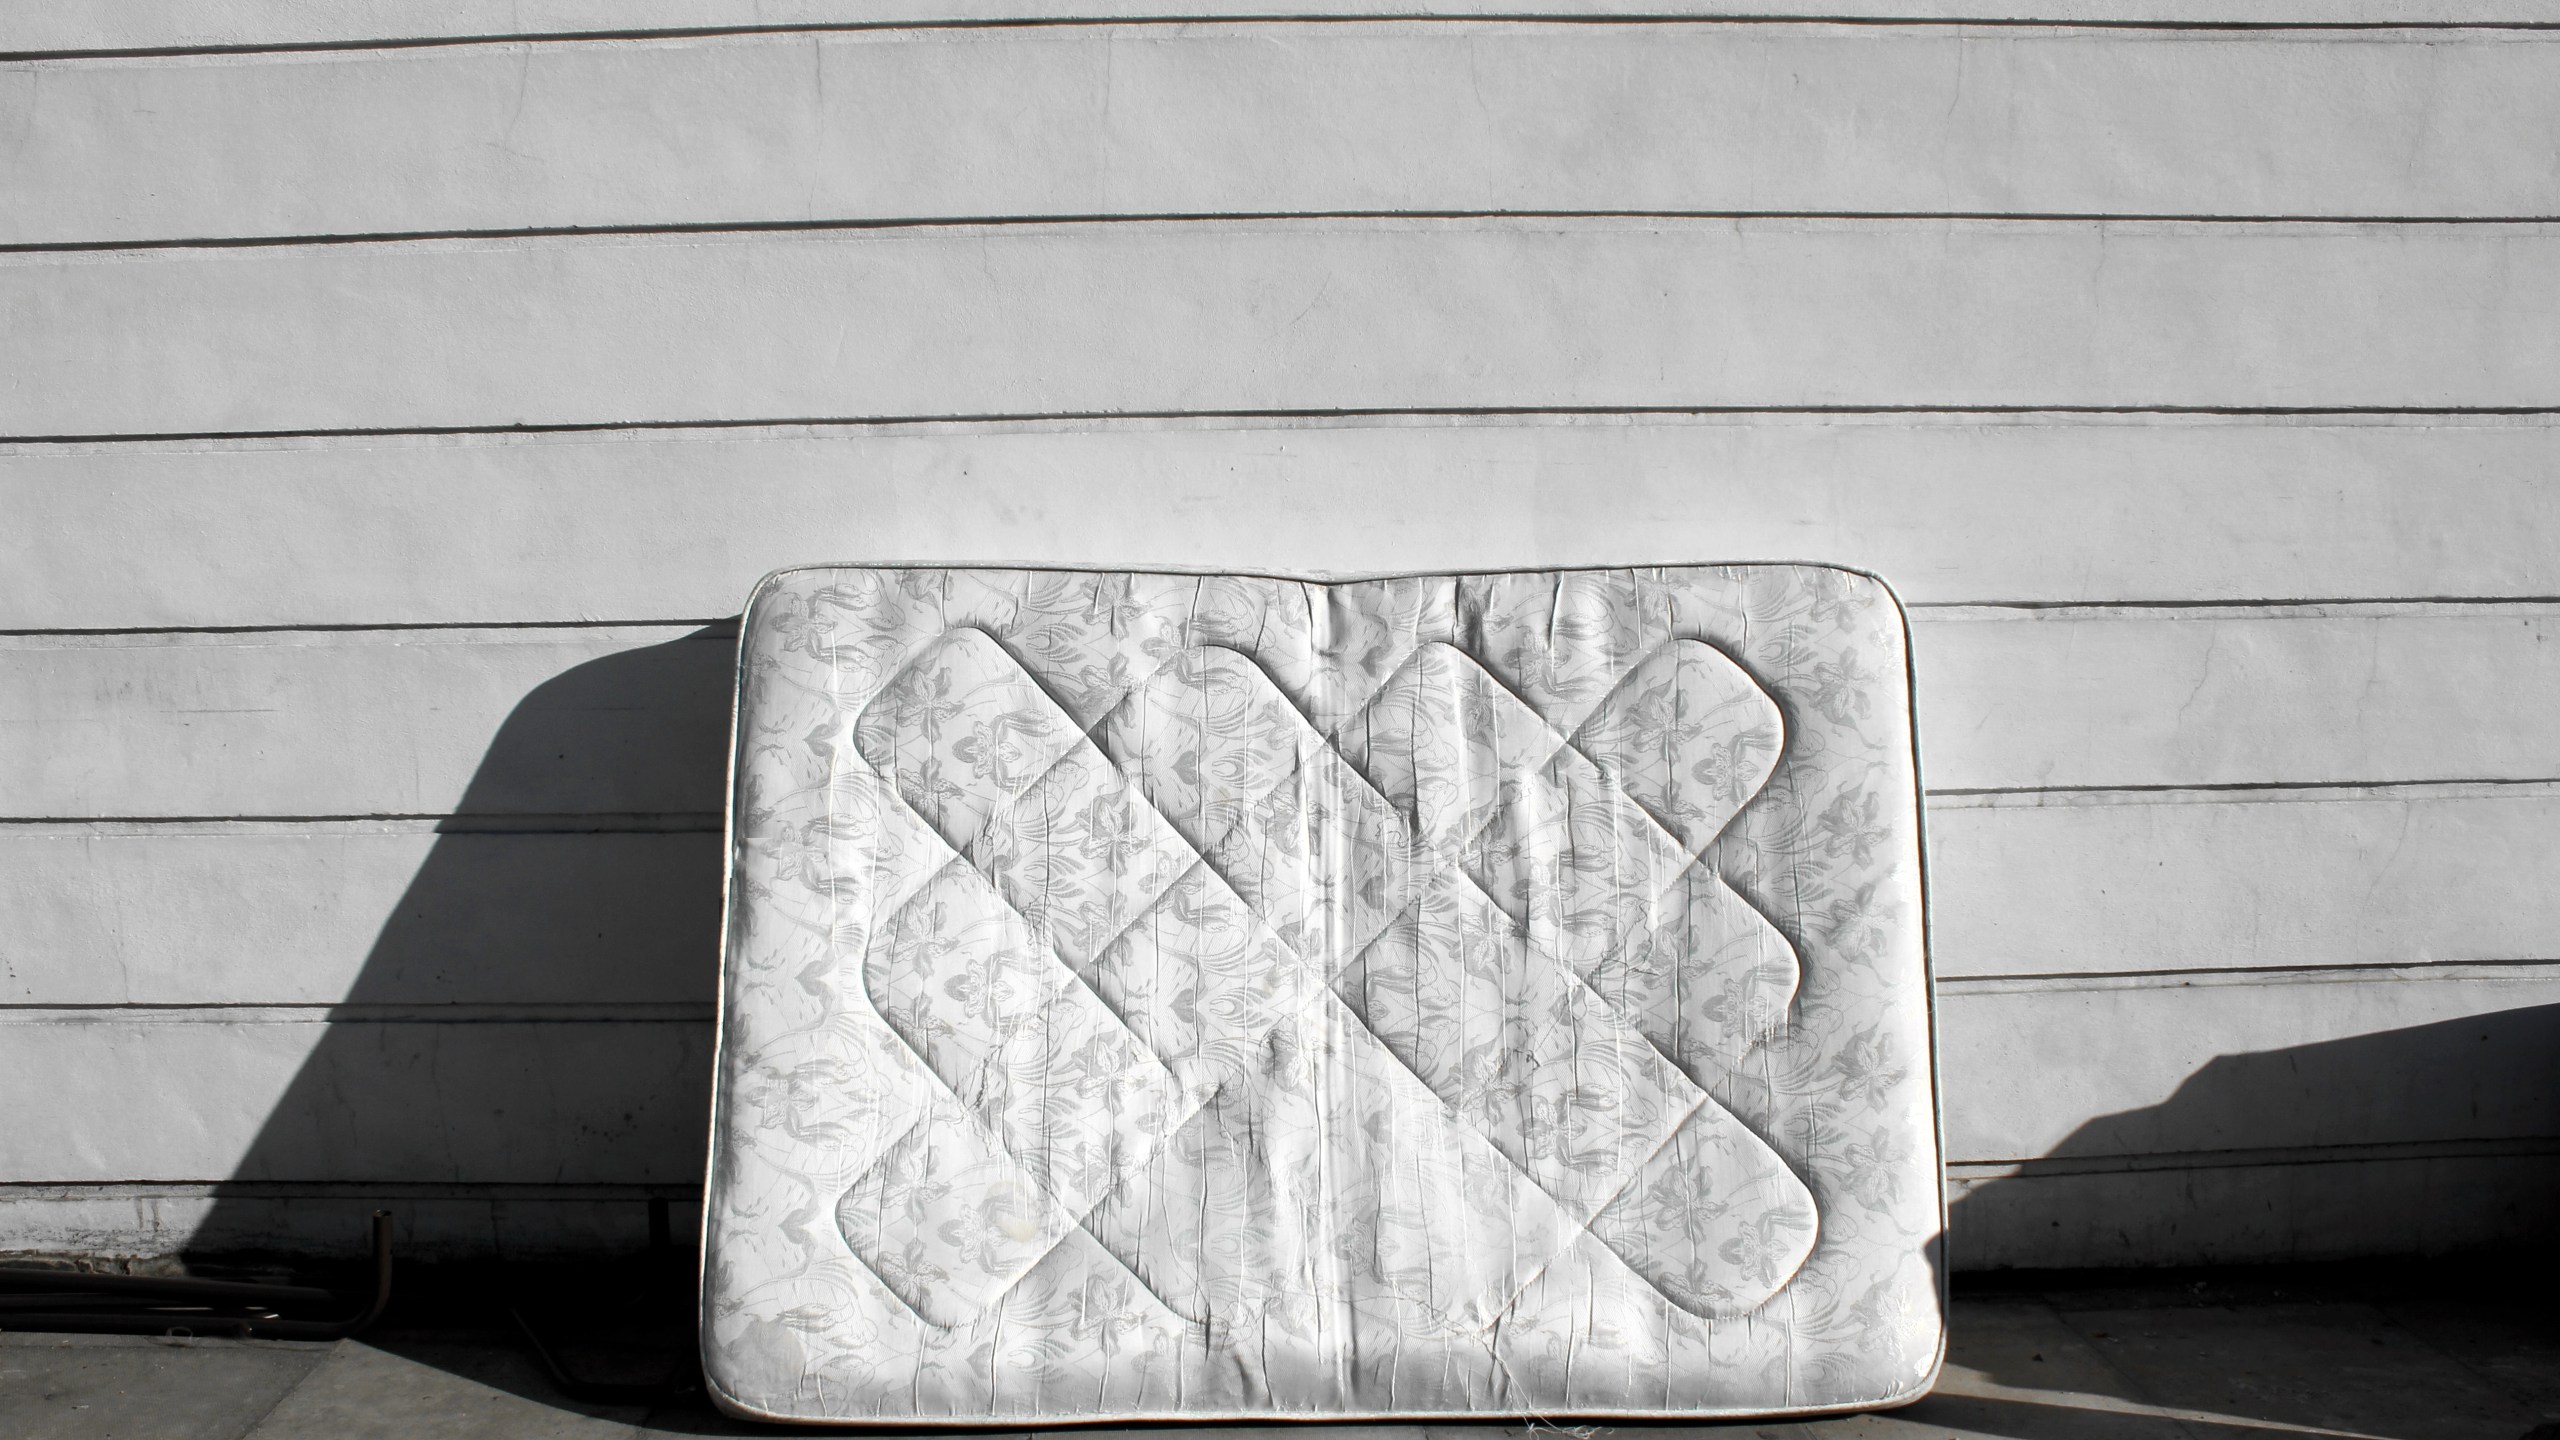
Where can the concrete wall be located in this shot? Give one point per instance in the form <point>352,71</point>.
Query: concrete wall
<point>391,428</point>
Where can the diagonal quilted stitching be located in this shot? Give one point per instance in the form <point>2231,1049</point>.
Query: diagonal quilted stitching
<point>1304,839</point>
<point>1348,1147</point>
<point>1075,1091</point>
<point>1691,738</point>
<point>1056,1097</point>
<point>1065,865</point>
<point>1543,1069</point>
<point>1482,1015</point>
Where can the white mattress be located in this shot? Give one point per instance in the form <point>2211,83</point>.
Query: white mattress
<point>1202,997</point>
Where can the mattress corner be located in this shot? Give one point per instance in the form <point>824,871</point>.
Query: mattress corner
<point>1868,585</point>
<point>766,586</point>
<point>721,1388</point>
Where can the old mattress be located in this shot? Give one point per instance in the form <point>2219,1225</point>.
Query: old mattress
<point>1156,996</point>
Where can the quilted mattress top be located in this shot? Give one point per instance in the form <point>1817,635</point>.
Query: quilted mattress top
<point>1158,996</point>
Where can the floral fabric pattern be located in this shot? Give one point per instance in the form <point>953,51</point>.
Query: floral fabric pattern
<point>1166,996</point>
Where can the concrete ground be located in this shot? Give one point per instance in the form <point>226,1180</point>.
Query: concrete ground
<point>2371,1352</point>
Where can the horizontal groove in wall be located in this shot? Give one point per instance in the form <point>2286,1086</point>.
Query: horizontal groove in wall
<point>248,1012</point>
<point>399,627</point>
<point>707,32</point>
<point>2070,798</point>
<point>1957,611</point>
<point>1958,1171</point>
<point>2309,607</point>
<point>712,822</point>
<point>217,638</point>
<point>2268,604</point>
<point>935,222</point>
<point>342,1190</point>
<point>2418,413</point>
<point>2066,793</point>
<point>670,823</point>
<point>1214,422</point>
<point>2412,1150</point>
<point>2422,972</point>
<point>252,1013</point>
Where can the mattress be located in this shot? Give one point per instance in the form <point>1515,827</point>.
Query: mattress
<point>1170,997</point>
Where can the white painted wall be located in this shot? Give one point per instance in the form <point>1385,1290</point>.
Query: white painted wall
<point>398,398</point>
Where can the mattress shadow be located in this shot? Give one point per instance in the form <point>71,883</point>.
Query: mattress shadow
<point>523,1061</point>
<point>2421,1141</point>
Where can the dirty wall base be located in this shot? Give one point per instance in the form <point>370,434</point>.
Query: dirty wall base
<point>1191,997</point>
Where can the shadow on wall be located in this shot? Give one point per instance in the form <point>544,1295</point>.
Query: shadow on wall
<point>2420,1141</point>
<point>524,1059</point>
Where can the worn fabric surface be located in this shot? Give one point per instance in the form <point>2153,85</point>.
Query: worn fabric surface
<point>1211,996</point>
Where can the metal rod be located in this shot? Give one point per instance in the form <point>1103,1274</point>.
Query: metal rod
<point>181,1318</point>
<point>20,1304</point>
<point>22,1278</point>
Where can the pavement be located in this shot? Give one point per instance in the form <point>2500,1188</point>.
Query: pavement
<point>2406,1353</point>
